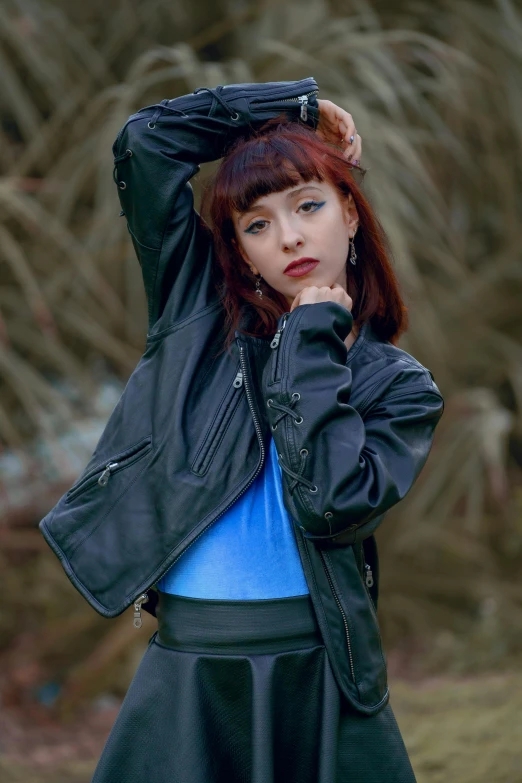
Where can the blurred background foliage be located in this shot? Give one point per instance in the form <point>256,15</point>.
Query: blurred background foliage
<point>436,90</point>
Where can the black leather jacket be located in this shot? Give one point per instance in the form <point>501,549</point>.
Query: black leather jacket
<point>189,434</point>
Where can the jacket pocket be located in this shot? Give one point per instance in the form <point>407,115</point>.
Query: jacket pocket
<point>220,422</point>
<point>99,476</point>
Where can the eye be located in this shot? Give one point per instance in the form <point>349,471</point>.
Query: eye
<point>313,207</point>
<point>253,225</point>
<point>311,204</point>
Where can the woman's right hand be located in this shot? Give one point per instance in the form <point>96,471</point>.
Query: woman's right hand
<point>336,126</point>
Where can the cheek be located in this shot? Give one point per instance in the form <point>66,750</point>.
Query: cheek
<point>334,230</point>
<point>256,248</point>
<point>249,250</point>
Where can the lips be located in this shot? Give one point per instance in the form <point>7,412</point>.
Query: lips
<point>301,267</point>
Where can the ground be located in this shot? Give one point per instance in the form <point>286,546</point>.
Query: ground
<point>457,730</point>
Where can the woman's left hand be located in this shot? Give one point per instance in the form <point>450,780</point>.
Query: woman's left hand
<point>336,126</point>
<point>312,294</point>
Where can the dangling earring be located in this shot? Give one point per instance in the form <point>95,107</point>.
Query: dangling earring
<point>353,254</point>
<point>258,289</point>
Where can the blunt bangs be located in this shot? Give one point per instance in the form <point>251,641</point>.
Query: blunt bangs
<point>268,165</point>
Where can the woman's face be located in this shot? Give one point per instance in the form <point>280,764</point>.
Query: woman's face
<point>308,220</point>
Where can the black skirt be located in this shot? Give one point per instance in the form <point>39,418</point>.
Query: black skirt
<point>243,692</point>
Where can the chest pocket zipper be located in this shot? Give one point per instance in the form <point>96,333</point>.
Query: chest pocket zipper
<point>219,426</point>
<point>276,369</point>
<point>100,475</point>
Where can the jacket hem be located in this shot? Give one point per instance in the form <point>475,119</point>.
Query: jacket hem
<point>99,607</point>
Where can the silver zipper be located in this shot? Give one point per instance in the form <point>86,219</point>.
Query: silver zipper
<point>141,599</point>
<point>368,581</point>
<point>303,100</point>
<point>104,478</point>
<point>253,412</point>
<point>277,335</point>
<point>244,377</point>
<point>238,380</point>
<point>275,345</point>
<point>346,629</point>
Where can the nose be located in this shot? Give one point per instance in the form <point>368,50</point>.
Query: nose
<point>291,236</point>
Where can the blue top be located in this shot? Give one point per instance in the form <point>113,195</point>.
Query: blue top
<point>250,552</point>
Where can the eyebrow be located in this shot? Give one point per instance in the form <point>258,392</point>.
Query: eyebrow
<point>257,205</point>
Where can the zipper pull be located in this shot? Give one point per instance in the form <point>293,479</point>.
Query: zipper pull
<point>277,335</point>
<point>238,380</point>
<point>142,599</point>
<point>303,100</point>
<point>369,576</point>
<point>104,478</point>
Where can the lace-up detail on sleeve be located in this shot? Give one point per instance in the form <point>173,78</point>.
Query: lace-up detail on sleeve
<point>213,91</point>
<point>119,159</point>
<point>288,410</point>
<point>298,477</point>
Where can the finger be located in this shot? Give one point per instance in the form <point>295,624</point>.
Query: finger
<point>358,149</point>
<point>354,152</point>
<point>295,303</point>
<point>327,111</point>
<point>348,123</point>
<point>345,297</point>
<point>340,120</point>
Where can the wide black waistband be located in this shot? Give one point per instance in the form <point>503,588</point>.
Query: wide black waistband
<point>231,627</point>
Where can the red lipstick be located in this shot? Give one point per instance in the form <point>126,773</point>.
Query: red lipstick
<point>301,267</point>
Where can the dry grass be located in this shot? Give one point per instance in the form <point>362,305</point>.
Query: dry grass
<point>466,731</point>
<point>459,730</point>
<point>435,90</point>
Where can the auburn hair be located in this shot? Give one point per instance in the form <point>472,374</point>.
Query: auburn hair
<point>280,155</point>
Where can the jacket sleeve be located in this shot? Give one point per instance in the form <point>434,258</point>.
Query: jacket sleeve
<point>340,472</point>
<point>156,153</point>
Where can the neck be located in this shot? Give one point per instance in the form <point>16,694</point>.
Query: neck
<point>352,336</point>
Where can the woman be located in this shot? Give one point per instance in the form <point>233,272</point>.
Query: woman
<point>268,427</point>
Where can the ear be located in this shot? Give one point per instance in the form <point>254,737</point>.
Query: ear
<point>244,256</point>
<point>351,216</point>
